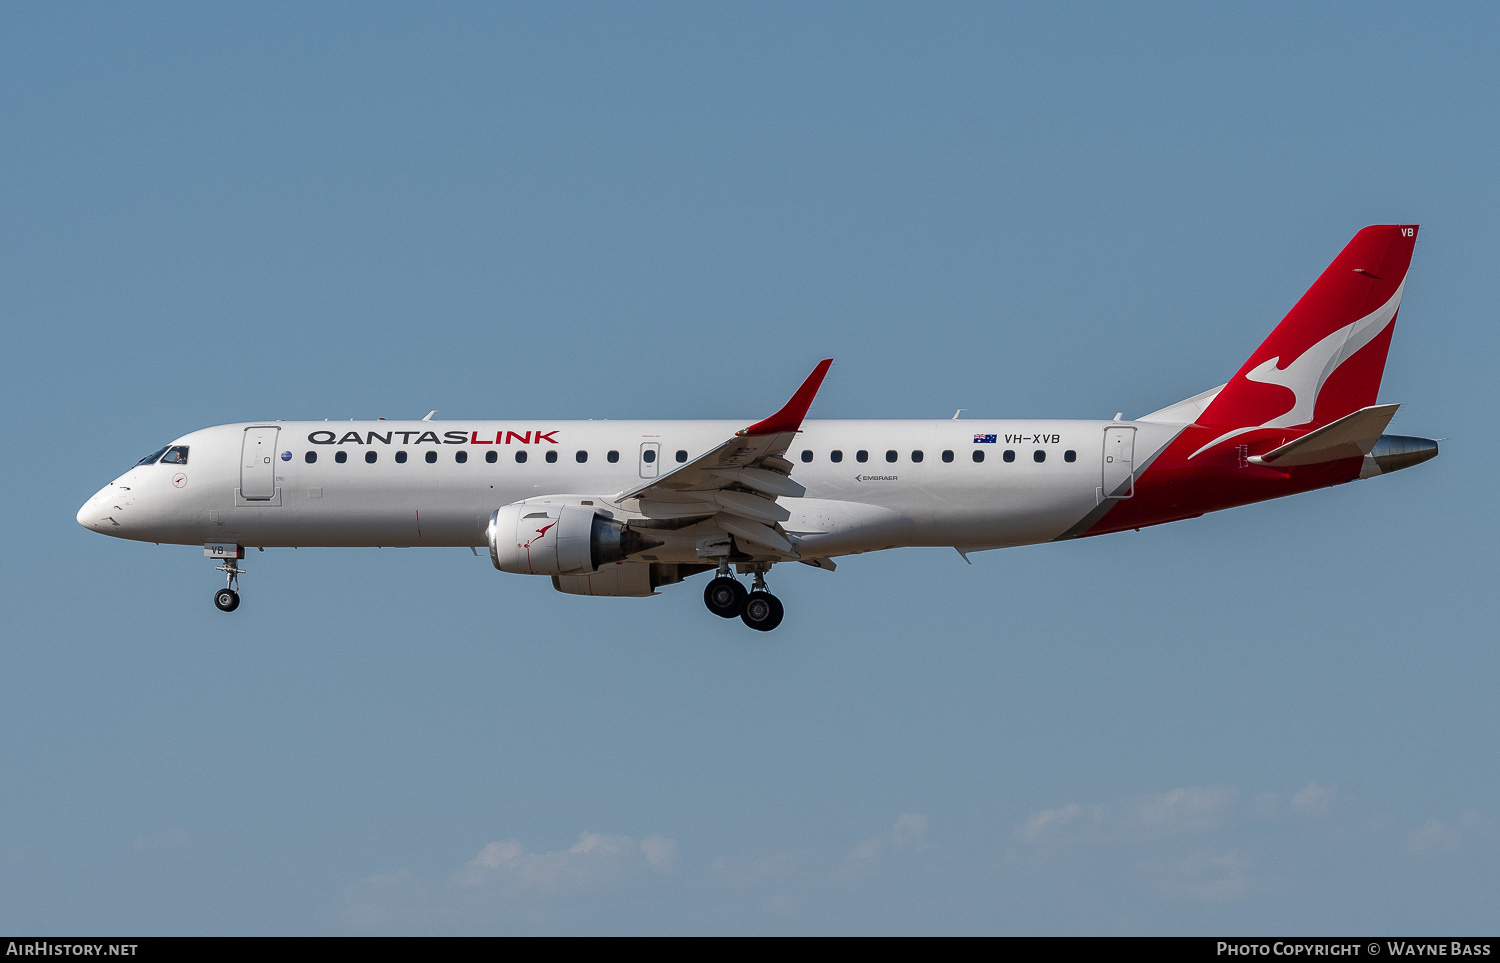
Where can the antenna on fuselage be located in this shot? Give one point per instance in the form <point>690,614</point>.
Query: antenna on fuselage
<point>430,414</point>
<point>959,412</point>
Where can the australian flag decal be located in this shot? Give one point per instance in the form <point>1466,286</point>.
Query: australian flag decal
<point>984,439</point>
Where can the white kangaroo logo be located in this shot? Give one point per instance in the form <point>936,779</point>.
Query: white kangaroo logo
<point>1305,376</point>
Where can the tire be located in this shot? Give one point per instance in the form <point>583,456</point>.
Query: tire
<point>227,600</point>
<point>763,611</point>
<point>725,597</point>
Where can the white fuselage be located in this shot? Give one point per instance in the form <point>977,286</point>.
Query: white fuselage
<point>253,483</point>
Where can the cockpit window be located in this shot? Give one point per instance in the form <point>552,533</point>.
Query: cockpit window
<point>176,455</point>
<point>151,458</point>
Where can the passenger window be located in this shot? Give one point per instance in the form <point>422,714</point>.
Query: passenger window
<point>649,455</point>
<point>1039,456</point>
<point>341,456</point>
<point>400,457</point>
<point>1070,455</point>
<point>154,457</point>
<point>521,457</point>
<point>978,455</point>
<point>681,456</point>
<point>1010,456</point>
<point>310,457</point>
<point>460,456</point>
<point>369,458</point>
<point>176,455</point>
<point>916,456</point>
<point>890,456</point>
<point>948,455</point>
<point>582,457</point>
<point>491,457</point>
<point>612,457</point>
<point>432,458</point>
<point>551,457</point>
<point>806,457</point>
<point>861,455</point>
<point>835,456</point>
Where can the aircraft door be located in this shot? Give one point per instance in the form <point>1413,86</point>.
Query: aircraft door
<point>1119,463</point>
<point>258,464</point>
<point>650,459</point>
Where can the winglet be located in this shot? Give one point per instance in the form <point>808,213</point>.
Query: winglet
<point>789,418</point>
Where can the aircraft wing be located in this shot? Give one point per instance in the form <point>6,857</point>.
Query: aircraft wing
<point>738,482</point>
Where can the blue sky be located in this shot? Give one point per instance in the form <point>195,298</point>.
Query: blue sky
<point>1272,720</point>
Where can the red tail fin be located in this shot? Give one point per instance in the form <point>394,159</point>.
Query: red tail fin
<point>1325,358</point>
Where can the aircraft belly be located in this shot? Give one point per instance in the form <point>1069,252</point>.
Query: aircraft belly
<point>344,517</point>
<point>1013,514</point>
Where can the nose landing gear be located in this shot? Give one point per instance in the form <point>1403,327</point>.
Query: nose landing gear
<point>227,599</point>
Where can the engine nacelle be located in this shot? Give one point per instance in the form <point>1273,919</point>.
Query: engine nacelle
<point>630,579</point>
<point>541,539</point>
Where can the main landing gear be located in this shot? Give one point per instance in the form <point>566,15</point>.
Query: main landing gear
<point>725,597</point>
<point>757,608</point>
<point>228,598</point>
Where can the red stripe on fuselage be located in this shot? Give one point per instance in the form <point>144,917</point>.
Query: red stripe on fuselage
<point>1173,487</point>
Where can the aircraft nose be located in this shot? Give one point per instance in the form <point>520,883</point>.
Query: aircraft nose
<point>84,515</point>
<point>89,515</point>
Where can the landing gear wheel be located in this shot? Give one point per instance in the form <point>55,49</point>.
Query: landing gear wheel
<point>228,598</point>
<point>763,611</point>
<point>725,597</point>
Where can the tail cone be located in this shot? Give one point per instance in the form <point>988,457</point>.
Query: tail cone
<point>1395,452</point>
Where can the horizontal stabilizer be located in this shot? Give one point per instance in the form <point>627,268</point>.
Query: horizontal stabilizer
<point>1352,436</point>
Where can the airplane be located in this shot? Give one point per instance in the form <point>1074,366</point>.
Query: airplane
<point>622,508</point>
